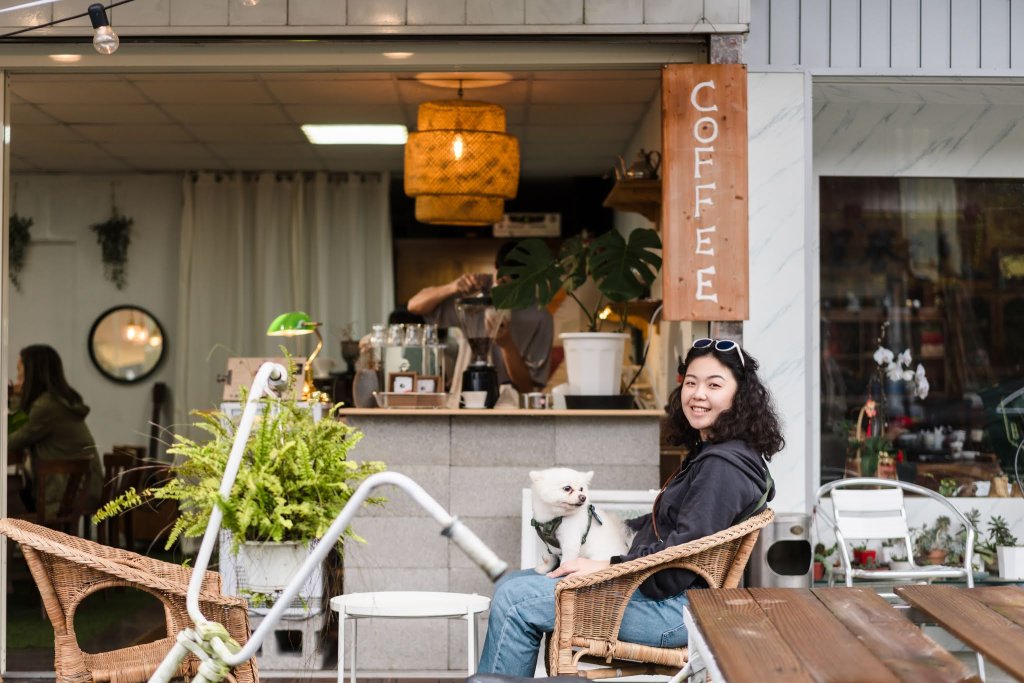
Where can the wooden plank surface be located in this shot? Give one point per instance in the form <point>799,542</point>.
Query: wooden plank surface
<point>1005,600</point>
<point>827,651</point>
<point>895,641</point>
<point>745,643</point>
<point>979,627</point>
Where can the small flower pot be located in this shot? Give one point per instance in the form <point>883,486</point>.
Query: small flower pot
<point>1011,562</point>
<point>899,565</point>
<point>819,571</point>
<point>936,556</point>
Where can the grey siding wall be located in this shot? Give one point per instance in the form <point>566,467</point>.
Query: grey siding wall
<point>887,35</point>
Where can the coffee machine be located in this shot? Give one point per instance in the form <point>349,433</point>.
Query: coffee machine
<point>479,322</point>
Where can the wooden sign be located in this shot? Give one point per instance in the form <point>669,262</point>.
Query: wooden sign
<point>704,192</point>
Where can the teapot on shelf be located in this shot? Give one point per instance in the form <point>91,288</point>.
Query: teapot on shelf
<point>644,167</point>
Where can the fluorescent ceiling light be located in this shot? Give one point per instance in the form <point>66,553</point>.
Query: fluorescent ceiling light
<point>335,134</point>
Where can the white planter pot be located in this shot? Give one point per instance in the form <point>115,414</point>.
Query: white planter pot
<point>593,361</point>
<point>269,566</point>
<point>1011,562</point>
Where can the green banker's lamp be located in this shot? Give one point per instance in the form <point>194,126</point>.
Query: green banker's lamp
<point>294,324</point>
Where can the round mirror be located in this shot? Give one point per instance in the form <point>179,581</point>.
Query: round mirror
<point>126,344</point>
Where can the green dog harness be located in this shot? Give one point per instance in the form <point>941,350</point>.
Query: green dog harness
<point>547,530</point>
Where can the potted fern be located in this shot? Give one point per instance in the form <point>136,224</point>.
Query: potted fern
<point>295,479</point>
<point>621,268</point>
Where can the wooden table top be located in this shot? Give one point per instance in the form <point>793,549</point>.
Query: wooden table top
<point>989,620</point>
<point>763,635</point>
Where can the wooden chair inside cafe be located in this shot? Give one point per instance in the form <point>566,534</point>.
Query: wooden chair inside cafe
<point>122,470</point>
<point>71,509</point>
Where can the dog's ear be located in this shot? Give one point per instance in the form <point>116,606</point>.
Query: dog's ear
<point>588,476</point>
<point>536,476</point>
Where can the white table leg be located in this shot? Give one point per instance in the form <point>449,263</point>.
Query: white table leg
<point>470,643</point>
<point>355,631</point>
<point>342,617</point>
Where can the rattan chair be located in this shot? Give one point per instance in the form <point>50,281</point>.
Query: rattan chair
<point>67,569</point>
<point>589,608</point>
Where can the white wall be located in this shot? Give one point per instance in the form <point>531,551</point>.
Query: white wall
<point>64,290</point>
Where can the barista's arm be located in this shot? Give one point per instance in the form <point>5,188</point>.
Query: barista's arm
<point>427,299</point>
<point>518,373</point>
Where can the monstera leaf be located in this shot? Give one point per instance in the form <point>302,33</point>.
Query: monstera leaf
<point>530,277</point>
<point>621,269</point>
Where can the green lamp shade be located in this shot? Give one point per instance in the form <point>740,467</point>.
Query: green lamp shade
<point>291,324</point>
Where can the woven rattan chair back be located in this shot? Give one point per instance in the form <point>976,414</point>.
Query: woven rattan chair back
<point>68,569</point>
<point>589,609</point>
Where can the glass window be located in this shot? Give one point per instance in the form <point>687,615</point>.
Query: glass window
<point>933,267</point>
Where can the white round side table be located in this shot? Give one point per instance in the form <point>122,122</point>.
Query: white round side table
<point>406,605</point>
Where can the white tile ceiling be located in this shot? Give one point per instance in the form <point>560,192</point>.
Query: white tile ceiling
<point>567,122</point>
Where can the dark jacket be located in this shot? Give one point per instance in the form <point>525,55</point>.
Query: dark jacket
<point>714,490</point>
<point>56,429</point>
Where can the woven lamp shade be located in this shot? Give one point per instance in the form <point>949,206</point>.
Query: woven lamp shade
<point>461,165</point>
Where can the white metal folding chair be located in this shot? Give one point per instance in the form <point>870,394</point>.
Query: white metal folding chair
<point>870,509</point>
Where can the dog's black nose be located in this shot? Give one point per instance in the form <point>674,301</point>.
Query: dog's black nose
<point>583,498</point>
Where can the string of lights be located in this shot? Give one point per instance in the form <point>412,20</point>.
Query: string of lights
<point>105,40</point>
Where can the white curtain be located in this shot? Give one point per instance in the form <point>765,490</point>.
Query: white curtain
<point>254,246</point>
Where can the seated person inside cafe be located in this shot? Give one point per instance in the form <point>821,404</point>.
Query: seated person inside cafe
<point>55,427</point>
<point>522,346</point>
<point>726,418</point>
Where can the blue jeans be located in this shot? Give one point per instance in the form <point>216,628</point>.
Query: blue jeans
<point>523,609</point>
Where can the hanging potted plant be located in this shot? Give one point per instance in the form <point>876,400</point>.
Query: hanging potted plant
<point>114,236</point>
<point>18,238</point>
<point>622,269</point>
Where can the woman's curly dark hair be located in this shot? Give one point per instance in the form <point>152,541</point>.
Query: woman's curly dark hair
<point>752,417</point>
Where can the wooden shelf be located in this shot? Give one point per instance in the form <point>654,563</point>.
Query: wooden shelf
<point>638,196</point>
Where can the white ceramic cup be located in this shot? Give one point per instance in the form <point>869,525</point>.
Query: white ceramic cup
<point>474,399</point>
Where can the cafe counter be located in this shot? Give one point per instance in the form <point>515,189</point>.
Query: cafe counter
<point>475,463</point>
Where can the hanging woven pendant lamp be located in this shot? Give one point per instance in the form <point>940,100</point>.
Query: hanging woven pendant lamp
<point>460,165</point>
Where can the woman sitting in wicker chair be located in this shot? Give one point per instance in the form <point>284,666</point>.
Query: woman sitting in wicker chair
<point>724,413</point>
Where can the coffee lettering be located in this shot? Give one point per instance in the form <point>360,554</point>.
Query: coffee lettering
<point>693,96</point>
<point>703,283</point>
<point>702,200</point>
<point>702,240</point>
<point>698,162</point>
<point>701,122</point>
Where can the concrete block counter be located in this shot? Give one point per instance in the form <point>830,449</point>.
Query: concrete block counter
<point>475,463</point>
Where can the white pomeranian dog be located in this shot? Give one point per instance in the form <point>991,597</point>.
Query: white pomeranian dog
<point>570,526</point>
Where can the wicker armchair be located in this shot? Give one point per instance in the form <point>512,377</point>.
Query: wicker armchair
<point>589,608</point>
<point>67,569</point>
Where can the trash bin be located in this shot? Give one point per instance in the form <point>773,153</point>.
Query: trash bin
<point>782,555</point>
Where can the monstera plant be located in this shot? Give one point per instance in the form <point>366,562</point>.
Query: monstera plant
<point>621,268</point>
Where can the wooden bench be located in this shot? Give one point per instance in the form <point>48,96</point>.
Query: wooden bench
<point>763,635</point>
<point>989,620</point>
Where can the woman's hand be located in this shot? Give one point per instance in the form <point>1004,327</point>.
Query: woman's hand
<point>579,567</point>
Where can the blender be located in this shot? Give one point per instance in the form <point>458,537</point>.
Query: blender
<point>478,320</point>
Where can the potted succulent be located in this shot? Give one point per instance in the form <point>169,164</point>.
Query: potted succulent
<point>821,557</point>
<point>295,479</point>
<point>622,270</point>
<point>931,543</point>
<point>1009,555</point>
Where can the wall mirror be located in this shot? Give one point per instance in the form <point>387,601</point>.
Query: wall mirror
<point>127,344</point>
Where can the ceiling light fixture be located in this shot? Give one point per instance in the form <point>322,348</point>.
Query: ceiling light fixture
<point>398,55</point>
<point>461,165</point>
<point>66,59</point>
<point>347,134</point>
<point>105,40</point>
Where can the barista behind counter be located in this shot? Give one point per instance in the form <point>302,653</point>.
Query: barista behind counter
<point>522,347</point>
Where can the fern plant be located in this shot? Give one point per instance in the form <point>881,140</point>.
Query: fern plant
<point>295,477</point>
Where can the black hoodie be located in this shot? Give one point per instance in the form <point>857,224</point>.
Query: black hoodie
<point>713,490</point>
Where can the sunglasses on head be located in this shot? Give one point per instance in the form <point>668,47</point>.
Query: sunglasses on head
<point>723,345</point>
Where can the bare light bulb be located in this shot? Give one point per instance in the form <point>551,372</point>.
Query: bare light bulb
<point>104,39</point>
<point>457,146</point>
